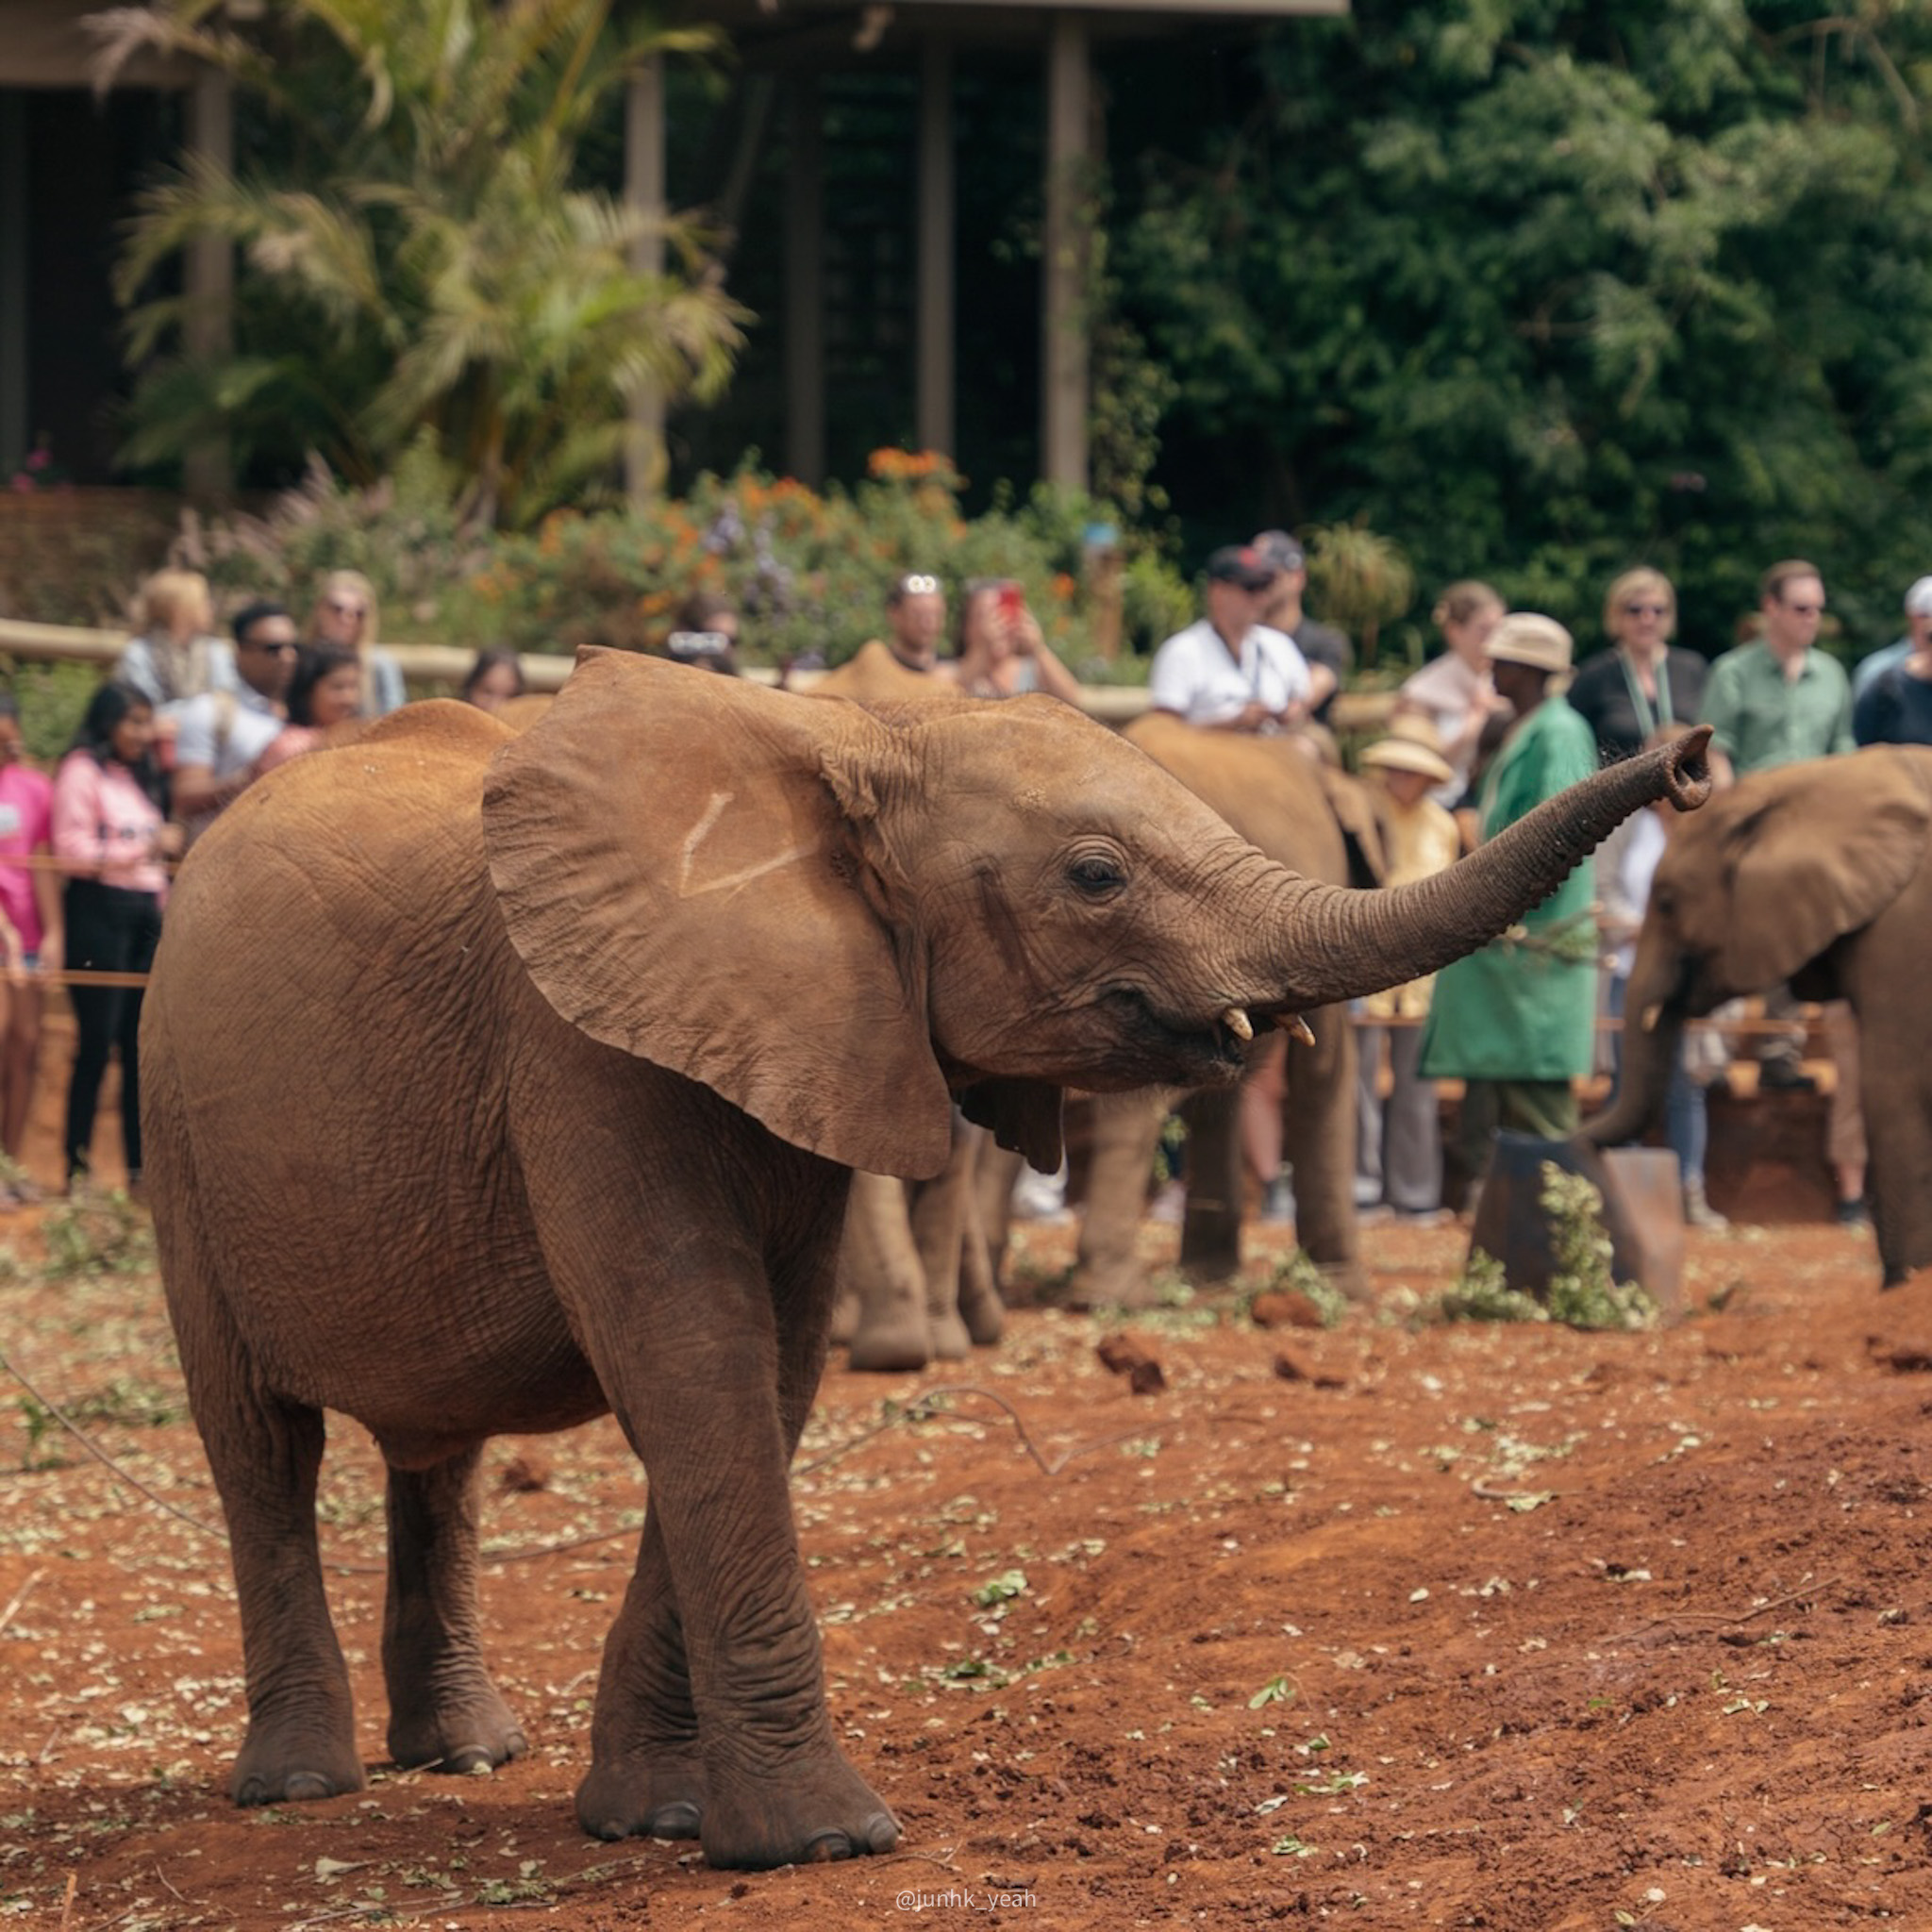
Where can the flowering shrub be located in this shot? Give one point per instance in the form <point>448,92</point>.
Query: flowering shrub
<point>808,569</point>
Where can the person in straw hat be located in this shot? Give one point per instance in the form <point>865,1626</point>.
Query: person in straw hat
<point>1399,1144</point>
<point>1515,1021</point>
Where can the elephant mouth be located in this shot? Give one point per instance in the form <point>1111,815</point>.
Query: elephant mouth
<point>1197,1049</point>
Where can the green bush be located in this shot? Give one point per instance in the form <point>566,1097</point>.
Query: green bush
<point>808,570</point>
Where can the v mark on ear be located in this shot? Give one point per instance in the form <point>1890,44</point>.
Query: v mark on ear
<point>715,808</point>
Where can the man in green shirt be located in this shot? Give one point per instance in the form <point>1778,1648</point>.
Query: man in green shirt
<point>1779,698</point>
<point>1516,1021</point>
<point>1773,701</point>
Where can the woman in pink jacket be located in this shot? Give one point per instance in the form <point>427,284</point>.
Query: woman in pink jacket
<point>113,839</point>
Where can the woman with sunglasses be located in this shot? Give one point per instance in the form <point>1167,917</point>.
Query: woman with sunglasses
<point>1643,683</point>
<point>344,619</point>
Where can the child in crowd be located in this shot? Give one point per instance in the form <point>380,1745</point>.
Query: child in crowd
<point>1399,1146</point>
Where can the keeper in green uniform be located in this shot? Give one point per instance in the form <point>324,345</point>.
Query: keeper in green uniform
<point>1516,1020</point>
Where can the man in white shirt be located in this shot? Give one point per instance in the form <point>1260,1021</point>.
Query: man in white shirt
<point>1230,671</point>
<point>223,733</point>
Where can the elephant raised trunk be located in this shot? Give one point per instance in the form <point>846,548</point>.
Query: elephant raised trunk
<point>1347,943</point>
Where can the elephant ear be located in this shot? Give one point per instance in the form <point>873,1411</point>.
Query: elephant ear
<point>681,860</point>
<point>1815,852</point>
<point>1021,1115</point>
<point>1362,830</point>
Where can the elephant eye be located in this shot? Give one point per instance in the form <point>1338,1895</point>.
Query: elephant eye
<point>1095,873</point>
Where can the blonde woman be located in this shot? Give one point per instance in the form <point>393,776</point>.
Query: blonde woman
<point>173,656</point>
<point>1642,684</point>
<point>1455,691</point>
<point>346,618</point>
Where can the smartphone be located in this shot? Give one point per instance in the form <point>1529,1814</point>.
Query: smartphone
<point>1012,600</point>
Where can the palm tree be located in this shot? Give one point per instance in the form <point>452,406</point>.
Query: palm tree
<point>417,254</point>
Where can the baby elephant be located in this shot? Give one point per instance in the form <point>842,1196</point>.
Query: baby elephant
<point>495,1082</point>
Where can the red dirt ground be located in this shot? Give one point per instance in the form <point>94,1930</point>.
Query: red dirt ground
<point>1508,1628</point>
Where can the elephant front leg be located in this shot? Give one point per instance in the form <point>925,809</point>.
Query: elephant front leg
<point>647,1776</point>
<point>444,1711</point>
<point>716,1418</point>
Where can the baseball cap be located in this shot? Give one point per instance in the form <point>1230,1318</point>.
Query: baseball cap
<point>1280,549</point>
<point>1242,564</point>
<point>1919,598</point>
<point>1527,637</point>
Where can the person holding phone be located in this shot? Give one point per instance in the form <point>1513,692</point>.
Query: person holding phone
<point>706,634</point>
<point>998,649</point>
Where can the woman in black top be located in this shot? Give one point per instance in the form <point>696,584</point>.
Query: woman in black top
<point>1643,682</point>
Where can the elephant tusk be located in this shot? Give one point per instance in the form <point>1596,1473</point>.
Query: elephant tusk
<point>1237,1024</point>
<point>1297,1028</point>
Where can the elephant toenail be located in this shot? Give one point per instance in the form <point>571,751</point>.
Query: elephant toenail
<point>679,1820</point>
<point>254,1792</point>
<point>823,1847</point>
<point>881,1831</point>
<point>306,1786</point>
<point>466,1758</point>
<point>515,1746</point>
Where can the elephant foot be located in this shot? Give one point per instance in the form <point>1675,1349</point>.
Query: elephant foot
<point>984,1314</point>
<point>295,1763</point>
<point>1120,1285</point>
<point>892,1347</point>
<point>950,1340</point>
<point>805,1814</point>
<point>1209,1269</point>
<point>658,1796</point>
<point>476,1732</point>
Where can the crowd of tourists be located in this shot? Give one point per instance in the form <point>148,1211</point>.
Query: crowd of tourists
<point>187,721</point>
<point>1500,719</point>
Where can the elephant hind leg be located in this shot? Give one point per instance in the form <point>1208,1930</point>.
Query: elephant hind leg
<point>264,1454</point>
<point>443,1709</point>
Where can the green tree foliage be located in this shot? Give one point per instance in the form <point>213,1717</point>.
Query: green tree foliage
<point>416,253</point>
<point>1548,288</point>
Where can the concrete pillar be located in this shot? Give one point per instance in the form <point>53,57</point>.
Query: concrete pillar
<point>644,191</point>
<point>16,433</point>
<point>210,324</point>
<point>805,286</point>
<point>1063,362</point>
<point>935,247</point>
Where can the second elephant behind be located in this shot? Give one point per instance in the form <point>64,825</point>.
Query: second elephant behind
<point>1819,874</point>
<point>1319,823</point>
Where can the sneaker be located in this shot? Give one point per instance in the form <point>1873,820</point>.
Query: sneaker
<point>1698,1213</point>
<point>1424,1217</point>
<point>1782,1076</point>
<point>1853,1214</point>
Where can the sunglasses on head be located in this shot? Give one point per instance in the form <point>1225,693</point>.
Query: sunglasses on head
<point>1646,610</point>
<point>917,585</point>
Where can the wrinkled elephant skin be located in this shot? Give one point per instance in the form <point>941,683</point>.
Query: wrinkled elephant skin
<point>495,1082</point>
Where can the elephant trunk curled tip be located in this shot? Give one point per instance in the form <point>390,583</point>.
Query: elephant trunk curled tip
<point>1686,769</point>
<point>1346,943</point>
